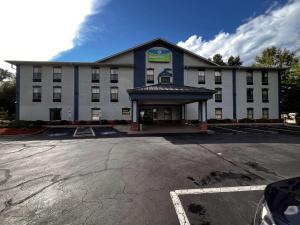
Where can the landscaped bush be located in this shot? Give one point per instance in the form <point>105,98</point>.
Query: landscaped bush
<point>104,122</point>
<point>220,121</point>
<point>82,122</point>
<point>276,120</point>
<point>262,120</point>
<point>212,121</point>
<point>246,120</point>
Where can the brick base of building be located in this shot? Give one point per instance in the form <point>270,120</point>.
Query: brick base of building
<point>203,126</point>
<point>134,127</point>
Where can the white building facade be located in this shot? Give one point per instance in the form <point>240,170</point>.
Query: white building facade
<point>163,81</point>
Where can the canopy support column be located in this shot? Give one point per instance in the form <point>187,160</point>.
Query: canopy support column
<point>134,116</point>
<point>202,112</point>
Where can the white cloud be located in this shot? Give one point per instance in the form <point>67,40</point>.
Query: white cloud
<point>279,26</point>
<point>41,29</point>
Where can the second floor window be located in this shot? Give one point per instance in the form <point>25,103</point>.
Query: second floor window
<point>265,113</point>
<point>201,77</point>
<point>218,113</point>
<point>150,76</point>
<point>249,77</point>
<point>114,75</point>
<point>218,77</point>
<point>218,95</point>
<point>37,94</point>
<point>57,74</point>
<point>37,74</point>
<point>264,78</point>
<point>265,95</point>
<point>57,94</point>
<point>95,74</point>
<point>95,94</point>
<point>250,112</point>
<point>249,94</point>
<point>114,94</point>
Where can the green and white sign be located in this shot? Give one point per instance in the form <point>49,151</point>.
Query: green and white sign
<point>159,55</point>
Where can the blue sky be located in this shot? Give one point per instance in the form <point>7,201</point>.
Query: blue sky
<point>122,24</point>
<point>87,30</point>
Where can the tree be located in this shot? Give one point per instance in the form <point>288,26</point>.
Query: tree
<point>290,79</point>
<point>5,74</point>
<point>7,92</point>
<point>234,61</point>
<point>218,59</point>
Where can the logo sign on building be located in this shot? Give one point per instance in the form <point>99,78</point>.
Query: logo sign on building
<point>159,55</point>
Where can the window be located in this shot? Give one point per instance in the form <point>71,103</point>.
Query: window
<point>114,75</point>
<point>96,114</point>
<point>249,78</point>
<point>37,74</point>
<point>218,77</point>
<point>265,113</point>
<point>125,111</point>
<point>218,95</point>
<point>218,113</point>
<point>249,94</point>
<point>250,112</point>
<point>164,80</point>
<point>95,74</point>
<point>57,94</point>
<point>37,94</point>
<point>264,78</point>
<point>55,114</point>
<point>95,94</point>
<point>114,94</point>
<point>201,77</point>
<point>57,74</point>
<point>265,95</point>
<point>150,76</point>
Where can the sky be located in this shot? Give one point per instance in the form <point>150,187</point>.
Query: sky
<point>87,30</point>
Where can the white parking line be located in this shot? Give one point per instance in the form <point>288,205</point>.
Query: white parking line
<point>92,131</point>
<point>264,131</point>
<point>183,220</point>
<point>239,131</point>
<point>75,132</point>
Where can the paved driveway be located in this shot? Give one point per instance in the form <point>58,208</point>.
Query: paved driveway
<point>127,180</point>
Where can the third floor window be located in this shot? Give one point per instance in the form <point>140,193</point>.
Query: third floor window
<point>218,95</point>
<point>201,77</point>
<point>95,74</point>
<point>114,75</point>
<point>57,74</point>
<point>264,78</point>
<point>249,77</point>
<point>218,77</point>
<point>249,94</point>
<point>37,74</point>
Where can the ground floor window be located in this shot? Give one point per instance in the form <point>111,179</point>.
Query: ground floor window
<point>218,113</point>
<point>250,113</point>
<point>167,114</point>
<point>125,111</point>
<point>96,113</point>
<point>265,113</point>
<point>55,114</point>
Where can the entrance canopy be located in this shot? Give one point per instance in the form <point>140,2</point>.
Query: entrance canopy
<point>169,93</point>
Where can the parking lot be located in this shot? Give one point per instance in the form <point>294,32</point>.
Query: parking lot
<point>55,178</point>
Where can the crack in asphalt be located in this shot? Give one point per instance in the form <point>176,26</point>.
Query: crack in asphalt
<point>7,176</point>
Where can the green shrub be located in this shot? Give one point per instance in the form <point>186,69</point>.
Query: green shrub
<point>262,120</point>
<point>246,120</point>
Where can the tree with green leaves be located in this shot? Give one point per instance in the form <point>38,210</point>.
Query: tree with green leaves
<point>7,92</point>
<point>234,61</point>
<point>218,59</point>
<point>290,79</point>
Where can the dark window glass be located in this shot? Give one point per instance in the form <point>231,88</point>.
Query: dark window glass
<point>114,94</point>
<point>95,74</point>
<point>218,95</point>
<point>249,94</point>
<point>250,112</point>
<point>249,77</point>
<point>37,94</point>
<point>265,113</point>
<point>57,74</point>
<point>218,113</point>
<point>37,74</point>
<point>114,75</point>
<point>165,80</point>
<point>218,77</point>
<point>201,77</point>
<point>265,95</point>
<point>95,94</point>
<point>150,76</point>
<point>55,114</point>
<point>57,94</point>
<point>264,77</point>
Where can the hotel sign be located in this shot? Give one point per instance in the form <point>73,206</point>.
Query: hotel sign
<point>159,55</point>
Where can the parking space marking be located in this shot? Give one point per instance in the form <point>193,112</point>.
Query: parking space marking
<point>182,217</point>
<point>238,131</point>
<point>264,131</point>
<point>74,135</point>
<point>286,130</point>
<point>92,131</point>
